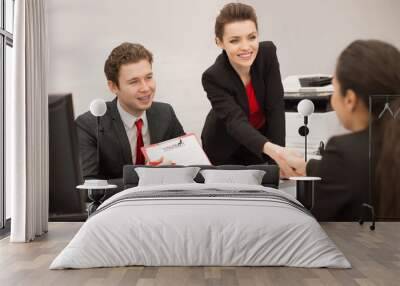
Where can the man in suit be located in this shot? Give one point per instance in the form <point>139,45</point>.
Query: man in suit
<point>132,120</point>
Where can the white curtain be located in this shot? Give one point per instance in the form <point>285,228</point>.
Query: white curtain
<point>27,122</point>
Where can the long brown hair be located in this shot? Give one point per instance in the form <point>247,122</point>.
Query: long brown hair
<point>372,67</point>
<point>388,167</point>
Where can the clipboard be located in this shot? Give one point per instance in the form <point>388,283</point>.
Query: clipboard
<point>184,150</point>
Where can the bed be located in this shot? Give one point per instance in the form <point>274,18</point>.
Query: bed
<point>201,224</point>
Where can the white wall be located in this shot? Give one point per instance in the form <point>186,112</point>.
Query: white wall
<point>309,35</point>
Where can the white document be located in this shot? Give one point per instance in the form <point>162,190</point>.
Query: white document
<point>184,150</point>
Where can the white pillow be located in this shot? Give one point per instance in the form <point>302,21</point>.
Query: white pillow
<point>248,177</point>
<point>163,176</point>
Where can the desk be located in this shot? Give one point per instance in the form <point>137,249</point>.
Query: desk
<point>288,186</point>
<point>96,194</point>
<point>303,191</point>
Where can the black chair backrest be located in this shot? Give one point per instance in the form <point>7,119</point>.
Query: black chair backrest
<point>270,179</point>
<point>64,169</point>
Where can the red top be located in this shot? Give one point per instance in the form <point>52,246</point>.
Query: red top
<point>256,117</point>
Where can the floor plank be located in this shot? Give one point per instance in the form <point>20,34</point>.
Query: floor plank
<point>375,257</point>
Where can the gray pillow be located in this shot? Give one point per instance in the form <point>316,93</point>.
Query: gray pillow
<point>248,177</point>
<point>163,176</point>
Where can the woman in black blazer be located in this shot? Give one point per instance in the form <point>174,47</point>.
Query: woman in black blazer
<point>247,120</point>
<point>363,69</point>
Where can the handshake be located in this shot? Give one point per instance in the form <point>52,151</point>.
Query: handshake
<point>290,162</point>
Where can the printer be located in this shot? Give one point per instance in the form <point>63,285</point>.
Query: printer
<point>323,123</point>
<point>314,83</point>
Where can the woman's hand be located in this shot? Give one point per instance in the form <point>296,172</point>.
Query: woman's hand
<point>295,160</point>
<point>277,153</point>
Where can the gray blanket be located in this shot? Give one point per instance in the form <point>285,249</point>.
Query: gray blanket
<point>207,194</point>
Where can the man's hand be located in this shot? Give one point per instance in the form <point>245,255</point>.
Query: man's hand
<point>161,162</point>
<point>294,160</point>
<point>276,152</point>
<point>290,162</point>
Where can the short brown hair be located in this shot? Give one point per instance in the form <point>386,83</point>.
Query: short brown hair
<point>233,12</point>
<point>125,53</point>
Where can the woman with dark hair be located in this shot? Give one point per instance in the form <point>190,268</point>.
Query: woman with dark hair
<point>363,69</point>
<point>244,86</point>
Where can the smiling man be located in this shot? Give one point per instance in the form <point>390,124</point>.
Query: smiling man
<point>132,119</point>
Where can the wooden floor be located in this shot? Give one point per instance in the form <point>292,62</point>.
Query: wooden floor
<point>375,256</point>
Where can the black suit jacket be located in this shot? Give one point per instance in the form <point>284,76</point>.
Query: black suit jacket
<point>115,151</point>
<point>344,169</point>
<point>227,129</point>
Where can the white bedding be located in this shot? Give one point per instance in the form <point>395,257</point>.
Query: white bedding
<point>182,231</point>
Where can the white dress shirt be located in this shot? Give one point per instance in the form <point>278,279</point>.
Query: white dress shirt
<point>130,128</point>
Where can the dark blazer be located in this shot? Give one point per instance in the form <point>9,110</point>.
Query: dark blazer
<point>344,169</point>
<point>227,129</point>
<point>115,151</point>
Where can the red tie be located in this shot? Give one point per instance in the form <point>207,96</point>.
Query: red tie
<point>139,142</point>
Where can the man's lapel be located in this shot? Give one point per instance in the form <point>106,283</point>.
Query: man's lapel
<point>155,126</point>
<point>121,133</point>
